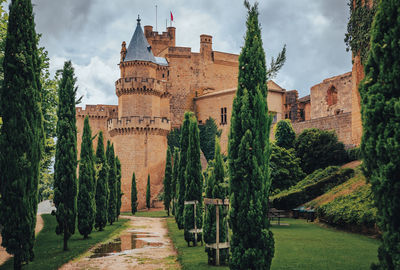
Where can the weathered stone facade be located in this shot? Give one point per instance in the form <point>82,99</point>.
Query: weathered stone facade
<point>158,83</point>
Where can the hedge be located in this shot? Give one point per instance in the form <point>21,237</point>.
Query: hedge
<point>303,193</point>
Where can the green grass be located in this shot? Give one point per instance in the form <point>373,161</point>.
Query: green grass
<point>48,248</point>
<point>151,214</point>
<point>301,245</point>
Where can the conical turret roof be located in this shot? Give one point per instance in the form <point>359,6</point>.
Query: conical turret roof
<point>139,48</point>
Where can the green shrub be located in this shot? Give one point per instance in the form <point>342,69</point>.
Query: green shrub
<point>284,167</point>
<point>312,186</point>
<point>318,149</point>
<point>284,134</point>
<point>354,154</point>
<point>356,208</point>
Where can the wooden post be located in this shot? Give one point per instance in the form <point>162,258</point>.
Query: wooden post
<point>195,225</point>
<point>217,251</point>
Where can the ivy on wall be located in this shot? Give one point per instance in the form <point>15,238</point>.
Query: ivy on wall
<point>358,34</point>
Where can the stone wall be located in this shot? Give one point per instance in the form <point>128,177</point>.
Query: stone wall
<point>332,96</point>
<point>341,123</point>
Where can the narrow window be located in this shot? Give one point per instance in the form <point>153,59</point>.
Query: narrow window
<point>223,116</point>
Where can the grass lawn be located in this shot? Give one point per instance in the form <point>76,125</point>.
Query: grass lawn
<point>301,245</point>
<point>48,246</point>
<point>152,214</point>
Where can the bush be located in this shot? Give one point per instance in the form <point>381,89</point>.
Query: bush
<point>354,154</point>
<point>285,168</point>
<point>312,186</point>
<point>318,149</point>
<point>355,209</point>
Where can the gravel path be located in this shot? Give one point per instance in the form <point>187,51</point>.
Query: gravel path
<point>152,249</point>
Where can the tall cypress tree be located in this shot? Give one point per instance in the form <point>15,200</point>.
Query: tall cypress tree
<point>133,195</point>
<point>65,182</point>
<point>102,185</point>
<point>112,183</point>
<point>181,185</point>
<point>380,94</point>
<point>194,183</point>
<point>119,192</point>
<point>22,132</point>
<point>252,246</point>
<point>174,188</point>
<point>148,192</point>
<point>87,183</point>
<point>215,189</point>
<point>167,182</point>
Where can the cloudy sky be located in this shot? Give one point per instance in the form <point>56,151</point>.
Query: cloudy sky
<point>90,33</point>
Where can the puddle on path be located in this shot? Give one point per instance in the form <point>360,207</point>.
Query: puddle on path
<point>128,241</point>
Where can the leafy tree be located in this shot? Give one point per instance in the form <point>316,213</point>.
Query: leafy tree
<point>119,192</point>
<point>319,149</point>
<point>380,145</point>
<point>252,246</point>
<point>22,134</point>
<point>284,134</point>
<point>285,168</point>
<point>181,185</point>
<point>65,182</point>
<point>194,183</point>
<point>133,194</point>
<point>87,183</point>
<point>215,189</point>
<point>112,183</point>
<point>101,186</point>
<point>167,182</point>
<point>148,193</point>
<point>208,131</point>
<point>174,180</point>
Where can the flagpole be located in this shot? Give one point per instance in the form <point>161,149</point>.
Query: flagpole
<point>156,19</point>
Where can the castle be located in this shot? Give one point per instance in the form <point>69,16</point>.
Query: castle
<point>159,81</point>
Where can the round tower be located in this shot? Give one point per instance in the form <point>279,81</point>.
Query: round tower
<point>140,132</point>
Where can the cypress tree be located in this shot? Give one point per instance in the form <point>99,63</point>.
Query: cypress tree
<point>22,132</point>
<point>380,95</point>
<point>65,182</point>
<point>181,185</point>
<point>167,182</point>
<point>102,185</point>
<point>119,193</point>
<point>148,192</point>
<point>252,246</point>
<point>174,188</point>
<point>133,194</point>
<point>112,183</point>
<point>194,183</point>
<point>284,134</point>
<point>215,189</point>
<point>87,183</point>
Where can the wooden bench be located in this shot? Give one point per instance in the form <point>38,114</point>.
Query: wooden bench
<point>276,214</point>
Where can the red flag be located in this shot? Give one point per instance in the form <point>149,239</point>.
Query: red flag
<point>172,17</point>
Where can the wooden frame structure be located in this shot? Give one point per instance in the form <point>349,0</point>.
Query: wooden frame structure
<point>217,246</point>
<point>195,231</point>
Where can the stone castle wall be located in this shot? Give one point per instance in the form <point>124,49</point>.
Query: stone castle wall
<point>341,123</point>
<point>332,96</point>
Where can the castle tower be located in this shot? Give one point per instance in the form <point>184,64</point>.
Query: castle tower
<point>139,133</point>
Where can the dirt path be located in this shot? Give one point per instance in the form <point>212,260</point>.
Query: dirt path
<point>144,245</point>
<point>4,256</point>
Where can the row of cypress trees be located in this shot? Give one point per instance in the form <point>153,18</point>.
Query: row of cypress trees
<point>99,197</point>
<point>252,246</point>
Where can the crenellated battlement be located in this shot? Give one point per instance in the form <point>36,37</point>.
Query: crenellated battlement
<point>97,111</point>
<point>140,85</point>
<point>134,124</point>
